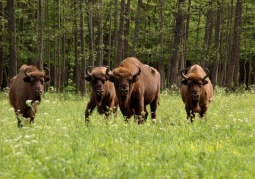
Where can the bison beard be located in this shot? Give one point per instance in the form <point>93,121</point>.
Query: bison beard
<point>196,91</point>
<point>26,89</point>
<point>136,85</point>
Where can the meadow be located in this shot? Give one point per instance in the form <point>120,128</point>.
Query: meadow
<point>60,145</point>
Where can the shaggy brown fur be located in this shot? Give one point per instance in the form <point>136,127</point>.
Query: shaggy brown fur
<point>196,91</point>
<point>23,88</point>
<point>102,93</point>
<point>136,89</point>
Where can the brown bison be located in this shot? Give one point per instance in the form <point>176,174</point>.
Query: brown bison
<point>196,91</point>
<point>27,85</point>
<point>136,85</point>
<point>102,93</point>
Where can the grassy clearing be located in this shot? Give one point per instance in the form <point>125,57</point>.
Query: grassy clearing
<point>60,145</point>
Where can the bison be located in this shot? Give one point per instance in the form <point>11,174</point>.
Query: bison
<point>27,85</point>
<point>196,91</point>
<point>136,85</point>
<point>102,92</point>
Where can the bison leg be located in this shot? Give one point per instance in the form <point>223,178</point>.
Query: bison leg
<point>154,106</point>
<point>145,116</point>
<point>112,111</point>
<point>192,117</point>
<point>115,111</point>
<point>203,110</point>
<point>190,114</point>
<point>19,123</point>
<point>90,107</point>
<point>139,108</point>
<point>32,120</point>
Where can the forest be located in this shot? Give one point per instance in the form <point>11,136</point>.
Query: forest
<point>67,36</point>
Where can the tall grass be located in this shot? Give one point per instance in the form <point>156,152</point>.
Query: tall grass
<point>60,145</point>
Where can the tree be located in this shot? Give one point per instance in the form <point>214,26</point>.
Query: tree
<point>179,18</point>
<point>207,35</point>
<point>83,60</point>
<point>137,27</point>
<point>1,43</point>
<point>115,33</point>
<point>161,55</point>
<point>232,71</point>
<point>40,34</point>
<point>120,34</point>
<point>12,38</point>
<point>91,32</point>
<point>76,70</point>
<point>217,44</point>
<point>99,34</point>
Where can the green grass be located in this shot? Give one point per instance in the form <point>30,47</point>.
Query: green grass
<point>60,145</point>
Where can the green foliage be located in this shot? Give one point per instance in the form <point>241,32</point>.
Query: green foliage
<point>60,145</point>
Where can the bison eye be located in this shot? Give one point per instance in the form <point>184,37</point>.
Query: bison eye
<point>103,81</point>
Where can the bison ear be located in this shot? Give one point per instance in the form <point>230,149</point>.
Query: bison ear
<point>88,78</point>
<point>26,79</point>
<point>205,82</point>
<point>135,79</point>
<point>46,79</point>
<point>184,82</point>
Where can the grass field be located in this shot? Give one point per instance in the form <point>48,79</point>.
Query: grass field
<point>60,145</point>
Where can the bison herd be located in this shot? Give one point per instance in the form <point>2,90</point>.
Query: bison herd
<point>130,87</point>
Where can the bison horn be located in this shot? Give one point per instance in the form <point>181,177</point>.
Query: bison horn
<point>26,72</point>
<point>46,69</point>
<point>88,73</point>
<point>207,73</point>
<point>137,73</point>
<point>183,75</point>
<point>107,72</point>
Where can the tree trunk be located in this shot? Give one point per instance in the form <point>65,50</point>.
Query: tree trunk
<point>109,43</point>
<point>208,35</point>
<point>126,31</point>
<point>215,67</point>
<point>47,55</point>
<point>120,34</point>
<point>179,18</point>
<point>137,27</point>
<point>220,78</point>
<point>161,55</point>
<point>115,33</point>
<point>1,44</point>
<point>227,52</point>
<point>40,34</point>
<point>58,71</point>
<point>83,60</point>
<point>63,65</point>
<point>91,33</point>
<point>197,34</point>
<point>99,35</point>
<point>12,38</point>
<point>76,71</point>
<point>233,66</point>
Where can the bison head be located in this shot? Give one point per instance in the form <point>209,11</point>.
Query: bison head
<point>36,79</point>
<point>123,80</point>
<point>194,83</point>
<point>97,78</point>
